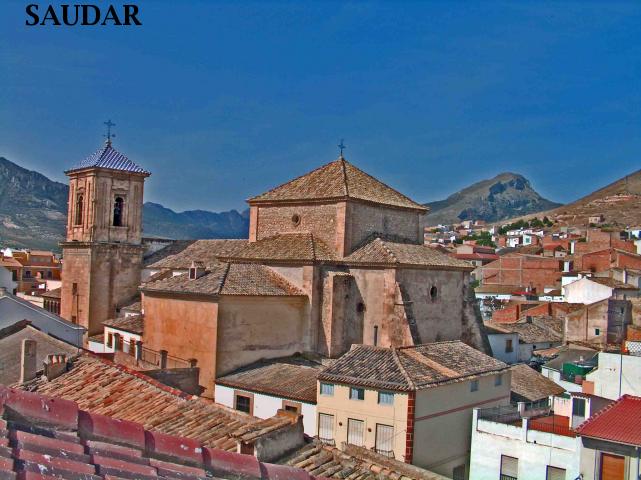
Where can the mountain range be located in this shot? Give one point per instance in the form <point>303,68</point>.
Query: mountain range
<point>33,214</point>
<point>33,208</point>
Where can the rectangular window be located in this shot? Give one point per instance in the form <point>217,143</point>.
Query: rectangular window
<point>597,331</point>
<point>110,340</point>
<point>498,380</point>
<point>326,427</point>
<point>355,432</point>
<point>508,346</point>
<point>243,402</point>
<point>578,407</point>
<point>386,398</point>
<point>74,288</point>
<point>356,393</point>
<point>474,385</point>
<point>27,273</point>
<point>509,468</point>
<point>385,440</point>
<point>327,389</point>
<point>555,473</point>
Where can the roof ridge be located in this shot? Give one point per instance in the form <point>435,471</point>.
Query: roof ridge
<point>224,279</point>
<point>389,251</point>
<point>605,409</point>
<point>311,237</point>
<point>398,362</point>
<point>344,169</point>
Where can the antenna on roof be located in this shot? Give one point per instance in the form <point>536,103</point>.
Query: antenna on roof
<point>109,135</point>
<point>342,147</point>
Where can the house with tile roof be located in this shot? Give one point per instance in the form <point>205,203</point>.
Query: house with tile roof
<point>334,257</point>
<point>611,441</point>
<point>412,404</point>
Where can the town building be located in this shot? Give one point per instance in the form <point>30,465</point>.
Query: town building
<point>334,257</point>
<point>611,441</point>
<point>264,387</point>
<point>410,403</point>
<point>616,374</point>
<point>533,333</point>
<point>529,386</point>
<point>589,290</point>
<point>567,366</point>
<point>535,272</point>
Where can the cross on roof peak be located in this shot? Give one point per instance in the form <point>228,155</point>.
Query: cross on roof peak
<point>342,147</point>
<point>109,135</point>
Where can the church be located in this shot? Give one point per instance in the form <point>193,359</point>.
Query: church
<point>333,258</point>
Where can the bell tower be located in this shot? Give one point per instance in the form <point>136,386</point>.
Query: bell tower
<point>102,254</point>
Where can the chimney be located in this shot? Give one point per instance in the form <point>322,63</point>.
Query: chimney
<point>196,270</point>
<point>55,365</point>
<point>28,361</point>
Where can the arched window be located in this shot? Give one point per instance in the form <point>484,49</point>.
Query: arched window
<point>79,206</point>
<point>433,292</point>
<point>119,204</point>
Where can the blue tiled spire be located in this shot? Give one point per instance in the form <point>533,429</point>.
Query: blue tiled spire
<point>108,157</point>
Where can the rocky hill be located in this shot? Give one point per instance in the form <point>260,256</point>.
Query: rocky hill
<point>33,213</point>
<point>619,203</point>
<point>505,196</point>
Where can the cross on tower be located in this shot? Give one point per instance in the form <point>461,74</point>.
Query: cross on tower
<point>109,135</point>
<point>342,147</point>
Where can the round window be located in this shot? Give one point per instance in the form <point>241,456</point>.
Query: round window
<point>296,219</point>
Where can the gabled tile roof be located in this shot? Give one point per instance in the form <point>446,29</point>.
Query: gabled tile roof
<point>380,251</point>
<point>228,279</point>
<point>55,293</point>
<point>410,368</point>
<point>130,323</point>
<point>102,387</point>
<point>530,385</point>
<point>180,254</point>
<point>50,438</point>
<point>338,180</point>
<point>619,422</point>
<point>289,377</point>
<point>109,158</point>
<point>542,328</point>
<point>284,247</point>
<point>356,463</point>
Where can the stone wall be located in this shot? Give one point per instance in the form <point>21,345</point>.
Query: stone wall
<point>105,275</point>
<point>319,219</point>
<point>364,219</point>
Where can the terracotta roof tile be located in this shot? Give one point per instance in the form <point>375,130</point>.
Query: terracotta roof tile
<point>290,377</point>
<point>129,323</point>
<point>380,251</point>
<point>181,253</point>
<point>50,437</point>
<point>410,368</point>
<point>228,279</point>
<point>338,180</point>
<point>618,422</point>
<point>284,247</point>
<point>530,385</point>
<point>100,386</point>
<point>542,328</point>
<point>55,293</point>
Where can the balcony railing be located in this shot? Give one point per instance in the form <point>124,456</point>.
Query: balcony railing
<point>507,477</point>
<point>387,453</point>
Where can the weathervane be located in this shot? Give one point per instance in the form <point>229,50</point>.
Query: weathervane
<point>109,135</point>
<point>342,147</point>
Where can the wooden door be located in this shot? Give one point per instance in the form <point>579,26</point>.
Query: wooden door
<point>612,467</point>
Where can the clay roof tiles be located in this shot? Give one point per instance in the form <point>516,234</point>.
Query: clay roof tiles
<point>180,254</point>
<point>102,387</point>
<point>129,323</point>
<point>290,377</point>
<point>380,251</point>
<point>529,384</point>
<point>619,422</point>
<point>228,279</point>
<point>410,368</point>
<point>284,247</point>
<point>338,180</point>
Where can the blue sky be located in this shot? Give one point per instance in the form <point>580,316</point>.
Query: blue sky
<point>223,100</point>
